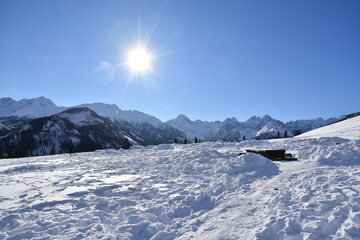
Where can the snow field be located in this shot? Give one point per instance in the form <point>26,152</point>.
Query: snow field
<point>316,197</point>
<point>139,194</point>
<point>193,191</point>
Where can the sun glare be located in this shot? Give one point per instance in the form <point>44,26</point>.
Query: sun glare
<point>139,60</point>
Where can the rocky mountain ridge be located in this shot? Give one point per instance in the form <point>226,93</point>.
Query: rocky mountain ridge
<point>41,127</point>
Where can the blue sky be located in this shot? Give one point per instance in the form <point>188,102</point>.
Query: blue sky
<point>290,59</point>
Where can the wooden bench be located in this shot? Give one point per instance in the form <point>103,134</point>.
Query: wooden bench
<point>273,154</point>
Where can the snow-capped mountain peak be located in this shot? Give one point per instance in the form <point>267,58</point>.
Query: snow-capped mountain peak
<point>35,107</point>
<point>82,117</point>
<point>44,107</point>
<point>231,120</point>
<point>267,118</point>
<point>253,121</point>
<point>182,118</point>
<point>113,112</point>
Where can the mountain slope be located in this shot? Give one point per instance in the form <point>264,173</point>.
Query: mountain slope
<point>349,128</point>
<point>35,107</point>
<point>41,136</point>
<point>43,107</point>
<point>308,125</point>
<point>115,113</point>
<point>141,128</point>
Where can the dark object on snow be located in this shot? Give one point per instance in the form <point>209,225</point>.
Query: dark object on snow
<point>125,144</point>
<point>72,147</point>
<point>274,155</point>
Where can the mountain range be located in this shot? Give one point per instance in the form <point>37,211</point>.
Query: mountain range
<point>37,126</point>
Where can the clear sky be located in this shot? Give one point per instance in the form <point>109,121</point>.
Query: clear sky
<point>291,59</point>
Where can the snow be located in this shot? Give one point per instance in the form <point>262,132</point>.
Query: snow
<point>44,107</point>
<point>3,127</point>
<point>115,113</point>
<point>83,118</point>
<point>35,107</point>
<point>349,129</point>
<point>194,191</point>
<point>230,129</point>
<point>193,129</point>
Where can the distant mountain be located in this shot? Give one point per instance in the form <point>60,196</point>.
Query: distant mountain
<point>38,126</point>
<point>348,116</point>
<point>347,128</point>
<point>40,136</point>
<point>4,129</point>
<point>193,129</point>
<point>44,107</point>
<point>113,112</point>
<point>308,125</point>
<point>36,107</point>
<point>230,129</point>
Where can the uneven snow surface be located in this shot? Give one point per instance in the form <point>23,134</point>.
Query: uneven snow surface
<point>195,191</point>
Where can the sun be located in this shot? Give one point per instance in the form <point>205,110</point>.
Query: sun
<point>139,60</point>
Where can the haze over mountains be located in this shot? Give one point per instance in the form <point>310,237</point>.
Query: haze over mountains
<point>38,126</point>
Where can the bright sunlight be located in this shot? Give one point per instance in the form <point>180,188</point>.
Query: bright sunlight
<point>139,60</point>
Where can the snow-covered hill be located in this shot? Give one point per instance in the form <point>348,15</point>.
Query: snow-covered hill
<point>193,191</point>
<point>349,129</point>
<point>308,125</point>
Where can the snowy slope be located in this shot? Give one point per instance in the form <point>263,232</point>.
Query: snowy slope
<point>82,117</point>
<point>4,127</point>
<point>308,125</point>
<point>194,191</point>
<point>349,129</point>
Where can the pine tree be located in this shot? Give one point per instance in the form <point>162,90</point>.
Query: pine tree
<point>21,152</point>
<point>244,138</point>
<point>278,134</point>
<point>285,134</point>
<point>2,150</point>
<point>297,132</point>
<point>52,151</point>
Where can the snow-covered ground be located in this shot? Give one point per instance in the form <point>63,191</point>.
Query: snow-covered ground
<point>195,191</point>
